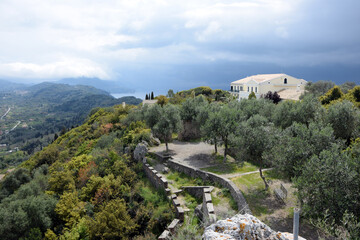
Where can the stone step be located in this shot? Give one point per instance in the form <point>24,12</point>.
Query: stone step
<point>177,192</point>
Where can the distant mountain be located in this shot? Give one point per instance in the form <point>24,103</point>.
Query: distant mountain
<point>46,108</point>
<point>109,86</point>
<point>59,93</point>
<point>7,86</point>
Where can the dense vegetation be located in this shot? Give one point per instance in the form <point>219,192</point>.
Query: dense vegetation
<point>43,111</point>
<point>312,142</point>
<point>86,185</point>
<point>83,186</point>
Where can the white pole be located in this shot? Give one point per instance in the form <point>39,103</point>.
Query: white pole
<point>296,223</point>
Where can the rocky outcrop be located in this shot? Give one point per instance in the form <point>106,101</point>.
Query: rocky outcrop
<point>242,227</point>
<point>140,151</point>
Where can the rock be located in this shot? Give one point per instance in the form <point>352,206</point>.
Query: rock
<point>198,211</point>
<point>140,152</point>
<point>154,141</point>
<point>127,150</point>
<point>242,227</point>
<point>166,170</point>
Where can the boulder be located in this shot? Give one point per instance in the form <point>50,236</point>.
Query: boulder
<point>140,152</point>
<point>154,141</point>
<point>242,227</point>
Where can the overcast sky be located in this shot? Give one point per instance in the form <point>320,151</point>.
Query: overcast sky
<point>179,44</point>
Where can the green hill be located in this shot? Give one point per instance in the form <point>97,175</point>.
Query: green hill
<point>44,110</point>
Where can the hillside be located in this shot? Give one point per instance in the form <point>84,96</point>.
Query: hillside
<point>7,86</point>
<point>90,183</point>
<point>109,86</point>
<point>36,114</point>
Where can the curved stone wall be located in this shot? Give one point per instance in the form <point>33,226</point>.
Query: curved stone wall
<point>235,192</point>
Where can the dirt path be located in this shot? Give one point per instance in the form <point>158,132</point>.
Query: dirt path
<point>5,114</point>
<point>233,175</point>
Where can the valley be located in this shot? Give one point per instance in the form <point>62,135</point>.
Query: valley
<point>32,118</point>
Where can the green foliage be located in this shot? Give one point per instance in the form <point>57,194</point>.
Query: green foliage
<point>332,95</point>
<point>326,183</point>
<point>61,180</point>
<point>319,88</point>
<point>191,107</point>
<point>14,181</point>
<point>221,124</point>
<point>252,95</point>
<point>297,144</point>
<point>162,100</point>
<point>111,222</point>
<point>170,93</point>
<point>347,86</point>
<point>27,211</point>
<point>164,121</point>
<point>353,96</point>
<point>70,209</point>
<point>343,118</point>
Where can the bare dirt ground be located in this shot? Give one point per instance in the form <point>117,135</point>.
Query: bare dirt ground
<point>197,154</point>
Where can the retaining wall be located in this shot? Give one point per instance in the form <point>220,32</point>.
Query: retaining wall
<point>155,178</point>
<point>235,192</point>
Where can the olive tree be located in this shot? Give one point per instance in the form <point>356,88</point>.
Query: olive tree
<point>344,119</point>
<point>221,124</point>
<point>253,137</point>
<point>163,121</point>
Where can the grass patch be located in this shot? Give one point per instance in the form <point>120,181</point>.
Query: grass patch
<point>253,180</point>
<point>227,168</point>
<point>262,202</point>
<point>190,201</point>
<point>181,179</point>
<point>253,198</point>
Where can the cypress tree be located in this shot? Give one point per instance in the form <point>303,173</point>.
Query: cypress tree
<point>152,95</point>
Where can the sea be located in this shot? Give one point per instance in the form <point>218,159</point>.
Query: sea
<point>140,95</point>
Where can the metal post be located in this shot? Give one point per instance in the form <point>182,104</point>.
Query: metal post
<point>296,223</point>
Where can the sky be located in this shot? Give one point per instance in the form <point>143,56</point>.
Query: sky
<point>168,44</point>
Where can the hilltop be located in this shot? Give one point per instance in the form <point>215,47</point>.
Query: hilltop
<point>94,178</point>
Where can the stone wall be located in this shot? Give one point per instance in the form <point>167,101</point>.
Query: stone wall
<point>208,207</point>
<point>235,192</point>
<point>196,191</point>
<point>155,178</point>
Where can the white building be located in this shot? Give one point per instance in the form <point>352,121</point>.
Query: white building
<point>286,86</point>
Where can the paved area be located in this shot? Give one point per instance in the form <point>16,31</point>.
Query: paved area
<point>197,154</point>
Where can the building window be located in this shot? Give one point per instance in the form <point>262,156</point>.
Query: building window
<point>285,80</point>
<point>252,89</point>
<point>241,88</point>
<point>248,89</point>
<point>256,89</point>
<point>231,88</point>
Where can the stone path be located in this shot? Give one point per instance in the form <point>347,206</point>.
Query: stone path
<point>233,175</point>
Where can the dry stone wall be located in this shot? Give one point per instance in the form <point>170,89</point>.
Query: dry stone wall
<point>155,178</point>
<point>235,192</point>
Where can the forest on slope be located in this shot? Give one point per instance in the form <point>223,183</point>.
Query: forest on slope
<point>86,185</point>
<point>42,112</point>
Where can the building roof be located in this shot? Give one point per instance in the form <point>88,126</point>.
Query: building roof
<point>259,78</point>
<point>290,94</point>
